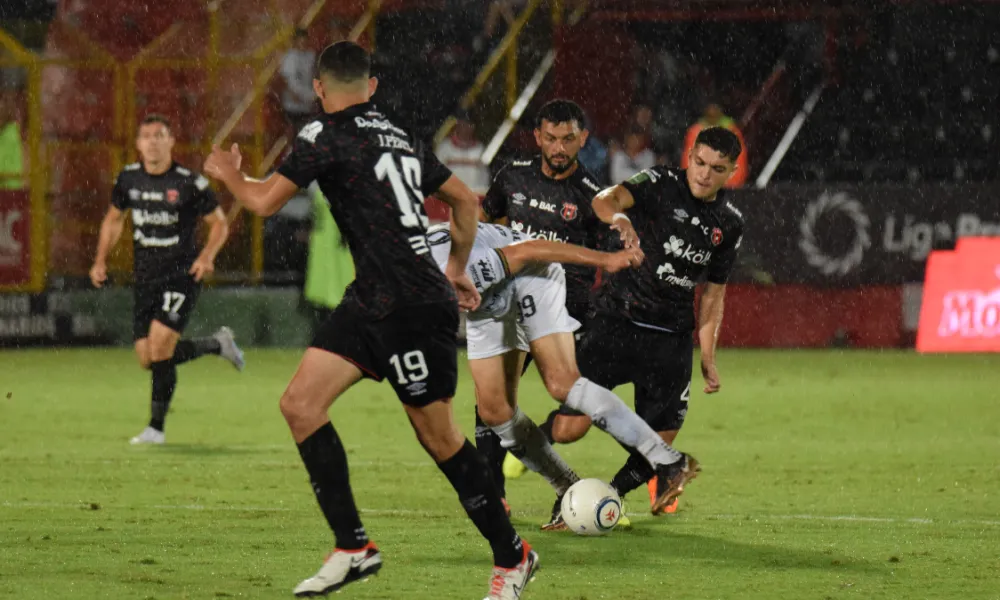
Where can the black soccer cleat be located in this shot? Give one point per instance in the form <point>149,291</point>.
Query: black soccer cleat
<point>556,523</point>
<point>670,481</point>
<point>341,568</point>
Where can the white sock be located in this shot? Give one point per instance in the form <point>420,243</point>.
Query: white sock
<point>522,438</point>
<point>611,415</point>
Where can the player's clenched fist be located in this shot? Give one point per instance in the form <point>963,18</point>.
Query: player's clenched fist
<point>98,274</point>
<point>624,259</point>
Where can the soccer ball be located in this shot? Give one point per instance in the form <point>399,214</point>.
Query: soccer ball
<point>591,507</point>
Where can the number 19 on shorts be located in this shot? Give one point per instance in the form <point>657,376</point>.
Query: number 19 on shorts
<point>411,369</point>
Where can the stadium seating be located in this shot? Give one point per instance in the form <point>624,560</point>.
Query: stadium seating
<point>916,103</point>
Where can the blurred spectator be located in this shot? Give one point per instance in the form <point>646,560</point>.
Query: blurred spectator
<point>297,96</point>
<point>461,152</point>
<point>715,117</point>
<point>11,146</point>
<point>594,156</point>
<point>634,156</point>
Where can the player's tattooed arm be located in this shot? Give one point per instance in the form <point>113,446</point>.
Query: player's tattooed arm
<point>517,256</point>
<point>261,197</point>
<point>709,325</point>
<point>610,205</point>
<point>217,234</point>
<point>111,232</point>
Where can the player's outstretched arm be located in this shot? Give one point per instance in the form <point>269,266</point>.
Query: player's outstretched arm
<point>464,222</point>
<point>217,234</point>
<point>261,197</point>
<point>111,232</point>
<point>709,325</point>
<point>517,256</point>
<point>610,205</point>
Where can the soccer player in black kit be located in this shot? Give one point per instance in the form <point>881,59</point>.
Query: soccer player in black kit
<point>166,202</point>
<point>642,330</point>
<point>398,319</point>
<point>547,198</point>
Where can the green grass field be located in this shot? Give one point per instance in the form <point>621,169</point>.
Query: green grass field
<point>826,475</point>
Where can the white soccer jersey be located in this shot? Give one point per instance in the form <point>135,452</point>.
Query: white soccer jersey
<point>539,293</point>
<point>485,268</point>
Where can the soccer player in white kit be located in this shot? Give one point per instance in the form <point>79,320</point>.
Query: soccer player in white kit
<point>523,308</point>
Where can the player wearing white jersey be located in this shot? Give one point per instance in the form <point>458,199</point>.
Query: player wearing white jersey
<point>523,308</point>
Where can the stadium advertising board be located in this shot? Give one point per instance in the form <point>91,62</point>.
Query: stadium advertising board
<point>849,235</point>
<point>960,311</point>
<point>15,238</point>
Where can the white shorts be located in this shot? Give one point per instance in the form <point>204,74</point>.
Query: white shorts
<point>540,311</point>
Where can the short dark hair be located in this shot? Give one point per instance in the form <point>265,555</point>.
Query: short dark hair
<point>561,111</point>
<point>156,118</point>
<point>344,61</point>
<point>721,140</point>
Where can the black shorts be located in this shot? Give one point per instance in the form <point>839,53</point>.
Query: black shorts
<point>169,301</point>
<point>617,351</point>
<point>414,347</point>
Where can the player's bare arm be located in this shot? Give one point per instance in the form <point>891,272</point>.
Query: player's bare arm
<point>261,197</point>
<point>464,212</point>
<point>709,325</point>
<point>217,233</point>
<point>111,232</point>
<point>520,255</point>
<point>610,206</point>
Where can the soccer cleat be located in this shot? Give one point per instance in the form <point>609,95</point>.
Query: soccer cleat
<point>508,584</point>
<point>149,436</point>
<point>340,568</point>
<point>229,350</point>
<point>668,509</point>
<point>556,523</point>
<point>670,481</point>
<point>513,467</point>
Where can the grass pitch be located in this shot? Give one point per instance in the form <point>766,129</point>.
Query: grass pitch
<point>827,475</point>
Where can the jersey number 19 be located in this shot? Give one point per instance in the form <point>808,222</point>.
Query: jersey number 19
<point>408,195</point>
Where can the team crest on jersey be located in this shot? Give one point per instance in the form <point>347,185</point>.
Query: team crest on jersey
<point>568,211</point>
<point>173,196</point>
<point>716,236</point>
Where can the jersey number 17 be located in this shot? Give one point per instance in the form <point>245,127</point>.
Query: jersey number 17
<point>405,184</point>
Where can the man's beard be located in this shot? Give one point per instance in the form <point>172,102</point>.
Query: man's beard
<point>560,169</point>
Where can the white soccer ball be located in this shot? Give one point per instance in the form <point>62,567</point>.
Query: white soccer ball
<point>591,507</point>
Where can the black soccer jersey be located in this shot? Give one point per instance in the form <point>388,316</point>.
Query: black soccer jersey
<point>165,209</point>
<point>549,209</point>
<point>375,176</point>
<point>684,239</point>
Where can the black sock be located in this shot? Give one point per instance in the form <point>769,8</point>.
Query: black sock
<point>191,349</point>
<point>635,472</point>
<point>546,427</point>
<point>488,444</point>
<point>164,383</point>
<point>325,460</point>
<point>469,475</point>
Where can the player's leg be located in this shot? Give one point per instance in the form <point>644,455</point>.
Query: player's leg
<point>496,380</point>
<point>488,444</point>
<point>417,352</point>
<point>662,389</point>
<point>338,358</point>
<point>160,344</point>
<point>142,352</point>
<point>565,425</point>
<point>221,343</point>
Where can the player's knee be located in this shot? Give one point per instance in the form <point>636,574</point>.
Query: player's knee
<point>495,413</point>
<point>144,361</point>
<point>295,407</point>
<point>567,429</point>
<point>560,383</point>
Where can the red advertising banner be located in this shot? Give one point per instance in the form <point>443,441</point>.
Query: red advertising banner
<point>15,238</point>
<point>960,311</point>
